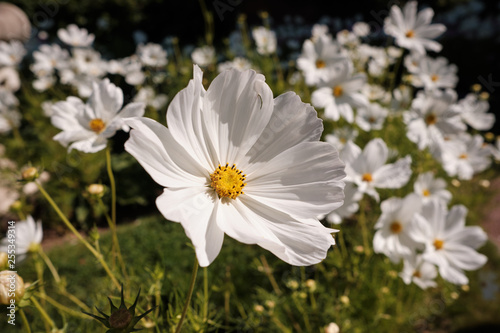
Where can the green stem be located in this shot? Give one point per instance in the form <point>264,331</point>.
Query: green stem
<point>26,324</point>
<point>44,314</point>
<point>49,264</point>
<point>188,298</point>
<point>77,234</point>
<point>270,276</point>
<point>364,228</point>
<point>62,307</point>
<point>205,295</point>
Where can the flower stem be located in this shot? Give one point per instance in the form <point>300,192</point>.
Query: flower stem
<point>44,314</point>
<point>49,264</point>
<point>26,324</point>
<point>63,307</point>
<point>205,295</point>
<point>77,234</point>
<point>188,298</point>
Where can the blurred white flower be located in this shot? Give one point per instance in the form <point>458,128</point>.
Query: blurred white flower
<point>474,112</point>
<point>431,117</point>
<point>371,117</point>
<point>265,40</point>
<point>349,207</point>
<point>449,244</point>
<point>341,136</point>
<point>434,74</point>
<point>11,53</point>
<point>320,59</point>
<point>49,58</point>
<point>361,29</point>
<point>368,170</point>
<point>75,36</point>
<point>234,161</point>
<point>9,79</point>
<point>203,56</point>
<point>86,127</point>
<point>148,96</point>
<point>392,237</point>
<point>418,271</point>
<point>430,188</point>
<point>152,54</point>
<point>238,63</point>
<point>341,93</point>
<point>29,236</point>
<point>413,31</point>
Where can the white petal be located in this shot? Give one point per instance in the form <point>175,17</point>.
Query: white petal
<point>196,209</point>
<point>162,156</point>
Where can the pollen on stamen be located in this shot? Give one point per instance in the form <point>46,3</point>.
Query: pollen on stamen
<point>97,125</point>
<point>228,181</point>
<point>367,177</point>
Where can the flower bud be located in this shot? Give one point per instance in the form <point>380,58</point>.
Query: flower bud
<point>332,328</point>
<point>11,287</point>
<point>30,174</point>
<point>96,190</point>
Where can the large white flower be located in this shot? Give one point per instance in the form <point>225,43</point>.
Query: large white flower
<point>448,242</point>
<point>474,112</point>
<point>413,31</point>
<point>234,161</point>
<point>29,235</point>
<point>88,126</point>
<point>434,73</point>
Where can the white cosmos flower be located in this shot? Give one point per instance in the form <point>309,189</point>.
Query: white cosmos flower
<point>371,117</point>
<point>429,188</point>
<point>203,56</point>
<point>413,31</point>
<point>75,36</point>
<point>234,161</point>
<point>152,55</point>
<point>11,53</point>
<point>449,244</point>
<point>418,271</point>
<point>28,236</point>
<point>237,63</point>
<point>464,155</point>
<point>265,40</point>
<point>341,136</point>
<point>88,126</point>
<point>341,93</point>
<point>320,59</point>
<point>392,237</point>
<point>434,74</point>
<point>474,112</point>
<point>368,170</point>
<point>9,79</point>
<point>431,117</point>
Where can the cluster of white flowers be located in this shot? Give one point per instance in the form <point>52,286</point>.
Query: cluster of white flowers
<point>418,228</point>
<point>11,55</point>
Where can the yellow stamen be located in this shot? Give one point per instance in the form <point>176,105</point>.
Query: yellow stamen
<point>434,77</point>
<point>97,125</point>
<point>438,244</point>
<point>228,181</point>
<point>463,156</point>
<point>338,91</point>
<point>426,192</point>
<point>396,227</point>
<point>320,63</point>
<point>367,177</point>
<point>410,34</point>
<point>417,274</point>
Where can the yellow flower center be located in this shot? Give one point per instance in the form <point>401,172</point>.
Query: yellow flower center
<point>367,177</point>
<point>228,181</point>
<point>410,34</point>
<point>337,91</point>
<point>431,119</point>
<point>463,156</point>
<point>438,244</point>
<point>320,63</point>
<point>417,274</point>
<point>434,77</point>
<point>426,192</point>
<point>97,125</point>
<point>396,227</point>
